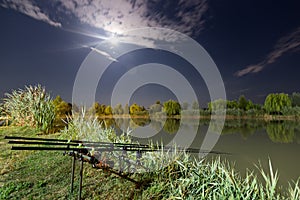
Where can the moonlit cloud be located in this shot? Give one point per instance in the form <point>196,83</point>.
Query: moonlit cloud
<point>103,53</point>
<point>29,8</point>
<point>290,42</point>
<point>116,16</point>
<point>250,69</point>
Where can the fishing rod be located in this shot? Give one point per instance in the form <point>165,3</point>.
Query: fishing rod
<point>92,153</point>
<point>72,141</point>
<point>96,145</point>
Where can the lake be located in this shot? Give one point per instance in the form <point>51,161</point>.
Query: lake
<point>246,141</point>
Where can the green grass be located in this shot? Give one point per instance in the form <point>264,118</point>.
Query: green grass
<point>46,175</point>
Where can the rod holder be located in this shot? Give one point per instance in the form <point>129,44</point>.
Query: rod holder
<point>72,173</point>
<point>80,180</point>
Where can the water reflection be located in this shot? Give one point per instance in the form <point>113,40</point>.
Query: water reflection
<point>171,125</point>
<point>278,131</point>
<point>281,131</point>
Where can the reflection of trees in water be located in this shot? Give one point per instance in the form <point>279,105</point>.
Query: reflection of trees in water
<point>156,125</point>
<point>136,122</point>
<point>171,125</point>
<point>297,134</point>
<point>244,127</point>
<point>281,131</point>
<point>278,131</point>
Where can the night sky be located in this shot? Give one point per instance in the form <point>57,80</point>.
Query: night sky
<point>255,44</point>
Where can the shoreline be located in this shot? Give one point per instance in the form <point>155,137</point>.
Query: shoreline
<point>227,117</point>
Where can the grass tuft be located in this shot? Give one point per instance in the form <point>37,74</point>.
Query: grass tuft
<point>31,106</point>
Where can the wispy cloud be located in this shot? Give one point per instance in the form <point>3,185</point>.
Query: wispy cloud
<point>186,16</point>
<point>250,69</point>
<point>119,16</point>
<point>103,53</point>
<point>111,18</point>
<point>290,42</point>
<point>115,16</point>
<point>29,8</point>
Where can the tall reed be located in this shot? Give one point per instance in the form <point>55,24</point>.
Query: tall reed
<point>176,175</point>
<point>187,178</point>
<point>30,106</point>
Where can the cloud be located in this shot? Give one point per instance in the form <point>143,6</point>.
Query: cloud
<point>103,53</point>
<point>29,8</point>
<point>250,69</point>
<point>116,16</point>
<point>290,42</point>
<point>110,19</point>
<point>186,16</point>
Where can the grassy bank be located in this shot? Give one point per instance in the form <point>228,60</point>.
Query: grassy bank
<point>46,175</point>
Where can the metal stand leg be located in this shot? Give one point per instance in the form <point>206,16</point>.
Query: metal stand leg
<point>80,181</point>
<point>72,173</point>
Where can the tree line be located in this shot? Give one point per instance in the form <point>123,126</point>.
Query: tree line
<point>274,104</point>
<point>34,105</point>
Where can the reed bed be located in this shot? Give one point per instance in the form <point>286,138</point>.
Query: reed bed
<point>31,106</point>
<point>176,175</point>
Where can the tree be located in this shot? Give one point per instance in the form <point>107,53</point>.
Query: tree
<point>108,110</point>
<point>135,109</point>
<point>98,109</point>
<point>155,108</point>
<point>295,98</point>
<point>172,108</point>
<point>118,110</point>
<point>185,105</point>
<point>62,108</point>
<point>250,105</point>
<point>232,104</point>
<point>217,105</point>
<point>126,109</point>
<point>195,105</point>
<point>274,103</point>
<point>243,102</point>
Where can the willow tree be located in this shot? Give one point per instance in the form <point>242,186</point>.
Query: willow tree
<point>172,108</point>
<point>274,103</point>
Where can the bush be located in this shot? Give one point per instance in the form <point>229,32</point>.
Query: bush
<point>295,111</point>
<point>30,106</point>
<point>234,112</point>
<point>254,113</point>
<point>205,112</point>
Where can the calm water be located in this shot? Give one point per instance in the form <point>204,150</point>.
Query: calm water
<point>248,141</point>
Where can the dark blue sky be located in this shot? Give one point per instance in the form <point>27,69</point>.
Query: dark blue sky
<point>255,44</point>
